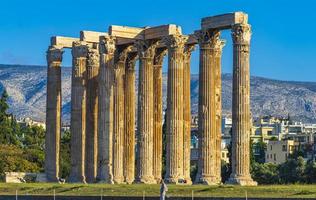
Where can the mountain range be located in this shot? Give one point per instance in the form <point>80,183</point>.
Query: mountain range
<point>26,87</point>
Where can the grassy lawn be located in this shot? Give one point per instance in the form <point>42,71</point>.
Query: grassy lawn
<point>283,191</point>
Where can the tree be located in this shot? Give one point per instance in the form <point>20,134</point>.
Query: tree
<point>4,106</point>
<point>292,171</point>
<point>310,172</point>
<point>266,173</point>
<point>65,163</point>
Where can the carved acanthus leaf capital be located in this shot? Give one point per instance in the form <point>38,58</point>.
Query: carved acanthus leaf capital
<point>175,41</point>
<point>159,55</point>
<point>209,39</point>
<point>54,54</point>
<point>93,57</point>
<point>79,49</point>
<point>107,44</point>
<point>188,50</point>
<point>131,61</point>
<point>122,52</point>
<point>241,34</point>
<point>145,48</point>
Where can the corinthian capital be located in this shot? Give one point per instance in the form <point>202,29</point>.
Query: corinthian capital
<point>241,33</point>
<point>107,44</point>
<point>188,50</point>
<point>145,48</point>
<point>79,49</point>
<point>159,55</point>
<point>130,61</point>
<point>209,39</point>
<point>121,53</point>
<point>54,54</point>
<point>93,57</point>
<point>175,41</point>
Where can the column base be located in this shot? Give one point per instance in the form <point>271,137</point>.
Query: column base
<point>187,181</point>
<point>129,180</point>
<point>146,180</point>
<point>209,180</point>
<point>158,180</point>
<point>241,180</point>
<point>76,179</point>
<point>118,180</point>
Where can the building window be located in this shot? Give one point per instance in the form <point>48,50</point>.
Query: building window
<point>269,132</point>
<point>284,148</point>
<point>271,147</point>
<point>274,157</point>
<point>223,155</point>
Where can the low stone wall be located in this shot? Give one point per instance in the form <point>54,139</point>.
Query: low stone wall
<point>12,197</point>
<point>22,177</point>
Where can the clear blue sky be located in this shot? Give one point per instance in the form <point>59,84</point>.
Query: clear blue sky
<point>283,42</point>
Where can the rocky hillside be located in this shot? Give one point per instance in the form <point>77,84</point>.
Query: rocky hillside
<point>26,86</point>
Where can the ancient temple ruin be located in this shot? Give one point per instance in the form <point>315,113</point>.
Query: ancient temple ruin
<point>104,143</point>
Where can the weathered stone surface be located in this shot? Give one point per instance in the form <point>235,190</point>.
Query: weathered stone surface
<point>210,47</point>
<point>174,167</point>
<point>159,32</point>
<point>78,112</point>
<point>146,52</point>
<point>91,36</point>
<point>158,118</point>
<point>63,42</point>
<point>118,114</point>
<point>92,85</point>
<point>53,113</point>
<point>224,21</point>
<point>187,112</point>
<point>130,108</point>
<point>105,110</point>
<point>241,34</point>
<point>126,32</point>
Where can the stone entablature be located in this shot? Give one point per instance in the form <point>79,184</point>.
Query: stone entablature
<point>104,148</point>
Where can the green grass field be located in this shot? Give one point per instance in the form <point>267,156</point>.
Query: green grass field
<point>284,191</point>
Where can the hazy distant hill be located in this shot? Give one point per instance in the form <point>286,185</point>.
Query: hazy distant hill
<point>26,86</point>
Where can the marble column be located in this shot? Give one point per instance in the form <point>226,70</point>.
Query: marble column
<point>129,138</point>
<point>118,114</point>
<point>174,166</point>
<point>53,113</point>
<point>105,110</point>
<point>93,64</point>
<point>210,47</point>
<point>158,118</point>
<point>78,112</point>
<point>218,91</point>
<point>146,52</point>
<point>241,34</point>
<point>187,113</point>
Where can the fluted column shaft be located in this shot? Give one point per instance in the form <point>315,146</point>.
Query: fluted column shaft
<point>241,35</point>
<point>174,168</point>
<point>210,46</point>
<point>157,92</point>
<point>129,139</point>
<point>118,118</point>
<point>105,110</point>
<point>146,51</point>
<point>187,113</point>
<point>218,89</point>
<point>53,113</point>
<point>93,65</point>
<point>78,112</point>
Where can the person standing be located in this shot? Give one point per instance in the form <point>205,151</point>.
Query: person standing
<point>163,190</point>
